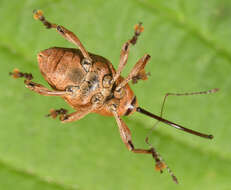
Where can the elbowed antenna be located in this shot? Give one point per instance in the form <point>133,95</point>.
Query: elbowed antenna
<point>177,126</point>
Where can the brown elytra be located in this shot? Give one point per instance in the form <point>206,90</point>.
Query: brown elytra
<point>89,83</point>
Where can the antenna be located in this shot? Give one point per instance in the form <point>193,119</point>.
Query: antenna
<point>177,126</point>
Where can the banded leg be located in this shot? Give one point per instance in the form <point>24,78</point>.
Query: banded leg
<point>125,50</point>
<point>68,35</point>
<point>38,88</point>
<point>136,73</point>
<point>181,128</point>
<point>126,138</point>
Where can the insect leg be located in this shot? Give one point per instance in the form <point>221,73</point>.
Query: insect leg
<point>83,111</point>
<point>125,50</point>
<point>68,35</point>
<point>38,88</point>
<point>136,73</point>
<point>179,127</point>
<point>80,113</point>
<point>58,112</point>
<point>126,138</point>
<point>125,134</point>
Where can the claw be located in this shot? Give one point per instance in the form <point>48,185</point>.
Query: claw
<point>54,113</point>
<point>17,74</point>
<point>160,166</point>
<point>37,14</point>
<point>138,28</point>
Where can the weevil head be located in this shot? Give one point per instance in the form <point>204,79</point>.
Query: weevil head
<point>125,105</point>
<point>127,99</point>
<point>59,69</point>
<point>128,104</point>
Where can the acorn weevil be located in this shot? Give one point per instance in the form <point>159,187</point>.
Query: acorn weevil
<point>89,83</point>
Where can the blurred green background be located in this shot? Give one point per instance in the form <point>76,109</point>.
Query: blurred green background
<point>190,45</point>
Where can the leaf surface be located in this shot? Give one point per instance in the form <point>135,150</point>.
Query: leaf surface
<point>190,46</point>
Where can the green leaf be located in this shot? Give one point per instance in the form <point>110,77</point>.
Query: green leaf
<point>190,45</point>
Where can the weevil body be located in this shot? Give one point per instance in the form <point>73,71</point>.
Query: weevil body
<point>66,69</point>
<point>89,83</point>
